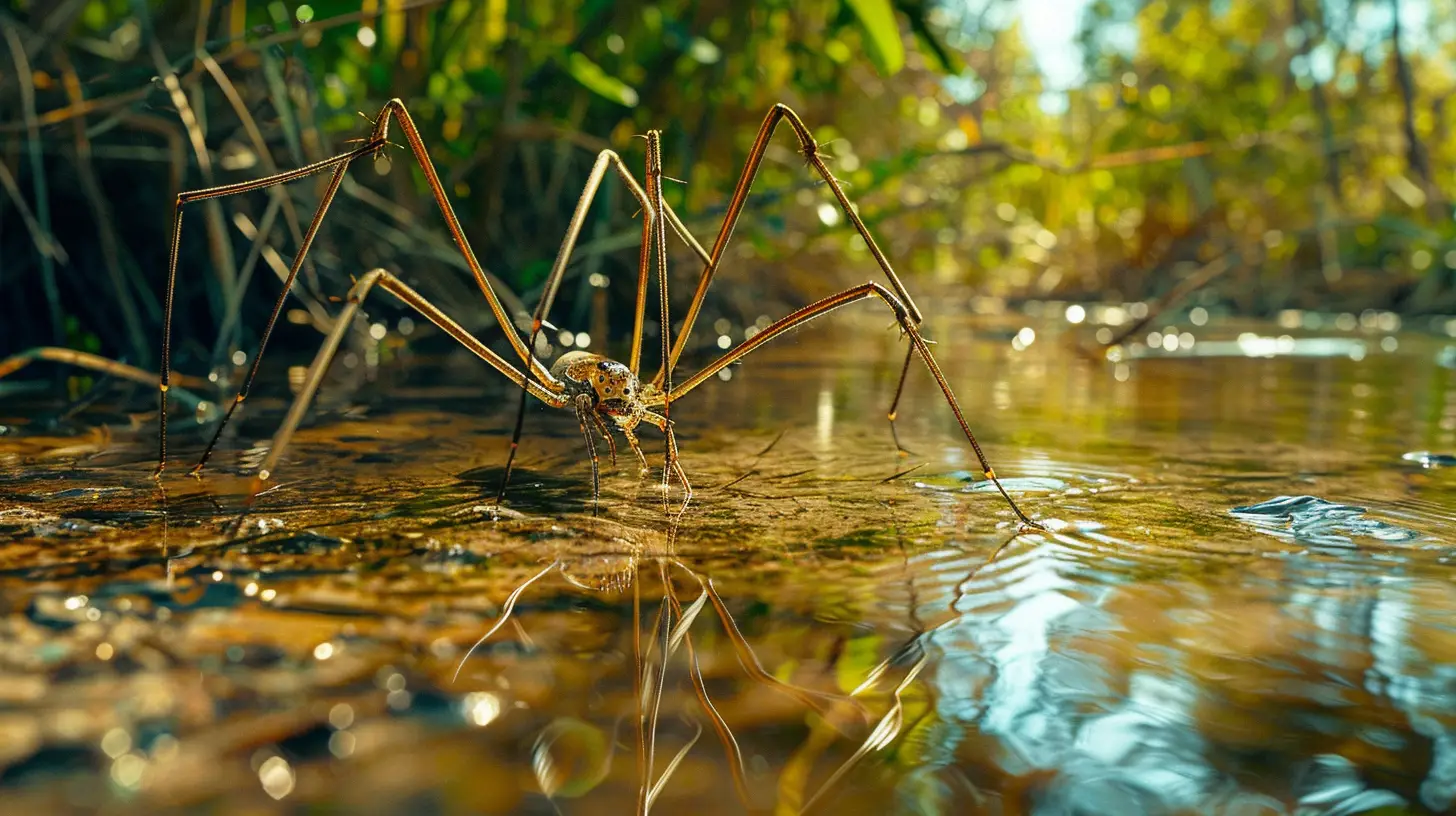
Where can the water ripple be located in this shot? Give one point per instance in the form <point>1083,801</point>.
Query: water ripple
<point>1429,459</point>
<point>1312,520</point>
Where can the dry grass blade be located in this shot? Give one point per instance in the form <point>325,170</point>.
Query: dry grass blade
<point>749,661</point>
<point>94,362</point>
<point>37,172</point>
<point>222,248</point>
<point>260,145</point>
<point>700,688</point>
<point>45,243</point>
<point>101,210</point>
<point>257,234</point>
<point>505,615</point>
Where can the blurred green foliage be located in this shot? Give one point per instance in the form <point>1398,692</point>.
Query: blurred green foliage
<point>1304,140</point>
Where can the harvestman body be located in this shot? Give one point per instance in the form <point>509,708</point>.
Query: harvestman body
<point>606,395</point>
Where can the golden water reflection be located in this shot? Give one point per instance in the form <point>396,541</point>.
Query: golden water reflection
<point>1181,639</point>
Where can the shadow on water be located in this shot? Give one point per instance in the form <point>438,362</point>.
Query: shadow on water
<point>1241,602</point>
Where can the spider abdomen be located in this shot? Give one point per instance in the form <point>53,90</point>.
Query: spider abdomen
<point>612,386</point>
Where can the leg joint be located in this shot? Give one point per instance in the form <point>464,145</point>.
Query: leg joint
<point>890,299</point>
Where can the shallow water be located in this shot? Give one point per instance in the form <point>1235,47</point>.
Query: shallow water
<point>1242,604</point>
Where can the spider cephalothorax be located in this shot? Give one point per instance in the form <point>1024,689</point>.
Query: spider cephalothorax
<point>612,387</point>
<point>602,389</point>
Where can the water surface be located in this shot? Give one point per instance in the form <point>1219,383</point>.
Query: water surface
<point>1242,602</point>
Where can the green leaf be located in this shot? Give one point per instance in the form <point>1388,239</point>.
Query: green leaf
<point>485,81</point>
<point>599,82</point>
<point>917,11</point>
<point>885,48</point>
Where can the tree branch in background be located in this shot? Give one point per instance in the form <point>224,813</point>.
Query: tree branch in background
<point>1203,276</point>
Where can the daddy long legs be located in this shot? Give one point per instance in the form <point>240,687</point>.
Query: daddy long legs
<point>604,394</point>
<point>616,389</point>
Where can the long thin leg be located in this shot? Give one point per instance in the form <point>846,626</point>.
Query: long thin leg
<point>505,615</point>
<point>902,314</point>
<point>895,403</point>
<point>606,432</point>
<point>810,150</point>
<point>652,215</point>
<point>320,366</point>
<point>636,447</point>
<point>664,626</point>
<point>720,725</point>
<point>670,217</point>
<point>817,700</point>
<point>583,409</point>
<point>395,109</point>
<point>664,376</point>
<point>674,462</point>
<point>313,227</point>
<point>184,198</point>
<point>606,160</point>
